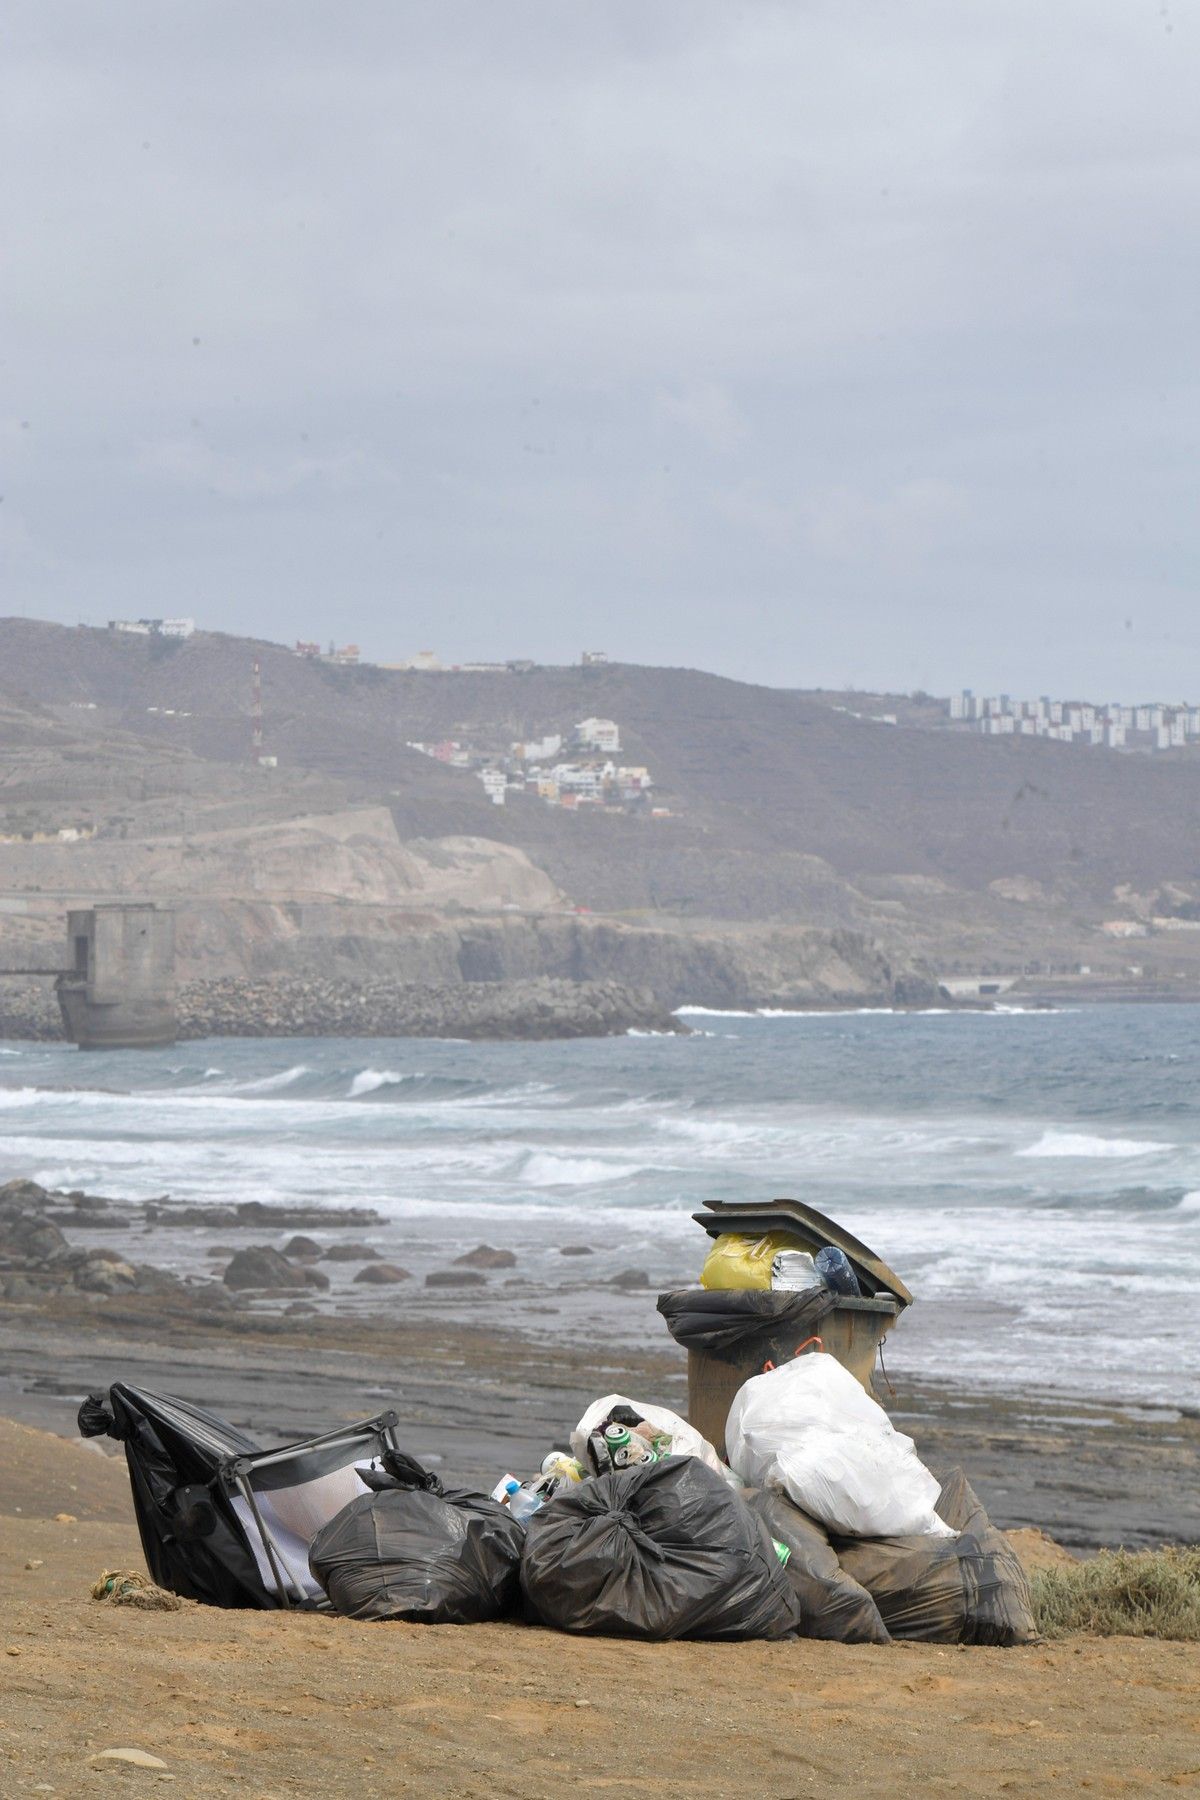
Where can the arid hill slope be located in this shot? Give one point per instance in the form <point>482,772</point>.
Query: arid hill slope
<point>750,769</point>
<point>962,851</point>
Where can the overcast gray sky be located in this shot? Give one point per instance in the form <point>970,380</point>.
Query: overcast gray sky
<point>816,342</point>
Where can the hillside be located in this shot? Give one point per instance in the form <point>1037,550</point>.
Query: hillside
<point>973,852</point>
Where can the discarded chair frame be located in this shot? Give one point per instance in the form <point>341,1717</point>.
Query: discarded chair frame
<point>369,1439</point>
<point>199,1487</point>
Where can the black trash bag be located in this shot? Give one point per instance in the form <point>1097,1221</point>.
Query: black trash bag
<point>833,1604</point>
<point>664,1550</point>
<point>399,1470</point>
<point>719,1319</point>
<point>439,1556</point>
<point>970,1589</point>
<point>173,1449</point>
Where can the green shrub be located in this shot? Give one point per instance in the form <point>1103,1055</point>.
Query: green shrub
<point>1121,1593</point>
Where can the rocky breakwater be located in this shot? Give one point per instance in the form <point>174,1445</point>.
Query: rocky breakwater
<point>241,1267</point>
<point>37,1260</point>
<point>29,1010</point>
<point>290,1006</point>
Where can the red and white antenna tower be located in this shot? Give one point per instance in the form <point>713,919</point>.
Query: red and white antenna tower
<point>256,716</point>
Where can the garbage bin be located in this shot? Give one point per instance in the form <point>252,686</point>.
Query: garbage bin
<point>851,1329</point>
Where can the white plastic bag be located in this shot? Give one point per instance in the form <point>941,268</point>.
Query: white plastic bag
<point>685,1440</point>
<point>811,1429</point>
<point>793,1271</point>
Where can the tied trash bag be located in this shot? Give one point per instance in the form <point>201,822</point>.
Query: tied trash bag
<point>833,1604</point>
<point>969,1589</point>
<point>809,1428</point>
<point>665,1550</point>
<point>411,1549</point>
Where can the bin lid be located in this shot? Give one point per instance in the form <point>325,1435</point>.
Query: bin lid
<point>755,1218</point>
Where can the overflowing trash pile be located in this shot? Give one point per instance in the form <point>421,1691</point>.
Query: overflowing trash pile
<point>812,1517</point>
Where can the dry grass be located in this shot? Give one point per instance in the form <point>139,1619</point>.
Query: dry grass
<point>1151,1593</point>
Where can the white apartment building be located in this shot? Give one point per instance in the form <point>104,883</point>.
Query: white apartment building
<point>598,734</point>
<point>584,779</point>
<point>541,749</point>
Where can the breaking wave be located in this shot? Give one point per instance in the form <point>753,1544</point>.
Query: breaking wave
<point>369,1081</point>
<point>271,1084</point>
<point>1078,1143</point>
<point>544,1168</point>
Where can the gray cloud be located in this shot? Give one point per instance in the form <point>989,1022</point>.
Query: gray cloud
<point>809,342</point>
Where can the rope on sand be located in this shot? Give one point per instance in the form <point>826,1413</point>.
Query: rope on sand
<point>125,1587</point>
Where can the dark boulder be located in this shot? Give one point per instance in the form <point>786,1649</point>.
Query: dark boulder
<point>382,1274</point>
<point>150,1280</point>
<point>455,1278</point>
<point>259,1266</point>
<point>106,1278</point>
<point>21,1196</point>
<point>26,1238</point>
<point>348,1253</point>
<point>484,1257</point>
<point>302,1247</point>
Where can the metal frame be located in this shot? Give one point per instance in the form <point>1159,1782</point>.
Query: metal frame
<point>238,1471</point>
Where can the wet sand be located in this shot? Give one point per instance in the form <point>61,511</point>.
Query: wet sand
<point>488,1376</point>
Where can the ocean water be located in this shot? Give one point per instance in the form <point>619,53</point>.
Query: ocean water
<point>1034,1177</point>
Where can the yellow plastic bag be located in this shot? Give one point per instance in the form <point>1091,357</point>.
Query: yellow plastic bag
<point>736,1261</point>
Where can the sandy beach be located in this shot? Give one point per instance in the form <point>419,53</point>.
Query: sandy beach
<point>269,1705</point>
<point>273,1704</point>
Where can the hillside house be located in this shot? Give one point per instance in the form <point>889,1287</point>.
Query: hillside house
<point>598,734</point>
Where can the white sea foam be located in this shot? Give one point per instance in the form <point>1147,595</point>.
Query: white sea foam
<point>1009,1229</point>
<point>993,1010</point>
<point>544,1168</point>
<point>271,1084</point>
<point>369,1081</point>
<point>712,1012</point>
<point>1079,1143</point>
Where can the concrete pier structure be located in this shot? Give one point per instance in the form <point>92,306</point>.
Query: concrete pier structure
<point>118,991</point>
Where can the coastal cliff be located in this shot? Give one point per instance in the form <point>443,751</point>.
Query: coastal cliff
<point>350,974</point>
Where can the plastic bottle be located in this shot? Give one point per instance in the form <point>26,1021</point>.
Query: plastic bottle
<point>564,1467</point>
<point>524,1503</point>
<point>835,1268</point>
